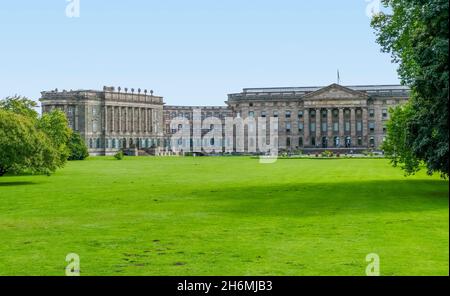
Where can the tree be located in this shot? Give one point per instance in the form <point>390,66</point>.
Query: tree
<point>77,147</point>
<point>416,35</point>
<point>23,147</point>
<point>20,105</point>
<point>55,125</point>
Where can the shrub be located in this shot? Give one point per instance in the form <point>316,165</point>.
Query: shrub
<point>77,147</point>
<point>119,155</point>
<point>327,154</point>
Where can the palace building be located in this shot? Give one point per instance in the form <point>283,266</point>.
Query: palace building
<point>309,118</point>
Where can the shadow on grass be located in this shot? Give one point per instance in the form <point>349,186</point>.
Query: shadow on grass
<point>17,183</point>
<point>312,199</point>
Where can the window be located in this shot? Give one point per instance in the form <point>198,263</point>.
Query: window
<point>300,142</point>
<point>335,112</point>
<point>324,113</point>
<point>371,113</point>
<point>324,127</point>
<point>251,104</point>
<point>312,113</point>
<point>372,141</point>
<point>94,126</point>
<point>359,141</point>
<point>288,114</point>
<point>275,114</point>
<point>300,114</point>
<point>263,114</point>
<point>358,112</point>
<point>372,126</point>
<point>288,127</point>
<point>313,127</point>
<point>359,126</point>
<point>251,114</point>
<point>336,127</point>
<point>384,128</point>
<point>288,142</point>
<point>313,141</point>
<point>385,113</point>
<point>300,127</point>
<point>347,126</point>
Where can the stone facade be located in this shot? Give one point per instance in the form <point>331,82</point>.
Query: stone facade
<point>332,117</point>
<point>323,117</point>
<point>110,120</point>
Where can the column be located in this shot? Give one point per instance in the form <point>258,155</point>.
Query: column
<point>76,118</point>
<point>132,120</point>
<point>120,119</point>
<point>353,125</point>
<point>365,127</point>
<point>112,119</point>
<point>145,121</point>
<point>318,127</point>
<point>341,127</point>
<point>330,126</point>
<point>126,119</point>
<point>106,119</point>
<point>306,128</point>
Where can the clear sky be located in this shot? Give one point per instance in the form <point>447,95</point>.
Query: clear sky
<point>189,51</point>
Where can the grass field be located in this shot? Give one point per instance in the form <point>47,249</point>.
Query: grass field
<point>224,216</point>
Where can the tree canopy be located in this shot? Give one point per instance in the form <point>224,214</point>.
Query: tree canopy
<point>29,144</point>
<point>415,32</point>
<point>77,147</point>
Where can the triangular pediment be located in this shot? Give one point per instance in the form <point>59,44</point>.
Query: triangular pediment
<point>335,92</point>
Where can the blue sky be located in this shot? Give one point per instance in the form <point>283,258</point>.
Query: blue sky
<point>190,52</point>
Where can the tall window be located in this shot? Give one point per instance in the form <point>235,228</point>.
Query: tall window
<point>385,113</point>
<point>288,114</point>
<point>313,127</point>
<point>336,127</point>
<point>359,126</point>
<point>275,113</point>
<point>288,142</point>
<point>371,113</point>
<point>288,127</point>
<point>324,127</point>
<point>372,126</point>
<point>300,142</point>
<point>300,114</point>
<point>300,126</point>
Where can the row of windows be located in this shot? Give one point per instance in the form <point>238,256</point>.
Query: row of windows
<point>347,142</point>
<point>312,113</point>
<point>122,143</point>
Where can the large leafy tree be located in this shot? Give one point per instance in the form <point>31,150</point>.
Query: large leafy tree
<point>20,105</point>
<point>23,147</point>
<point>54,124</point>
<point>29,143</point>
<point>415,32</point>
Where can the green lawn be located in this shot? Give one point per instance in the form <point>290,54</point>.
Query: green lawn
<point>224,216</point>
